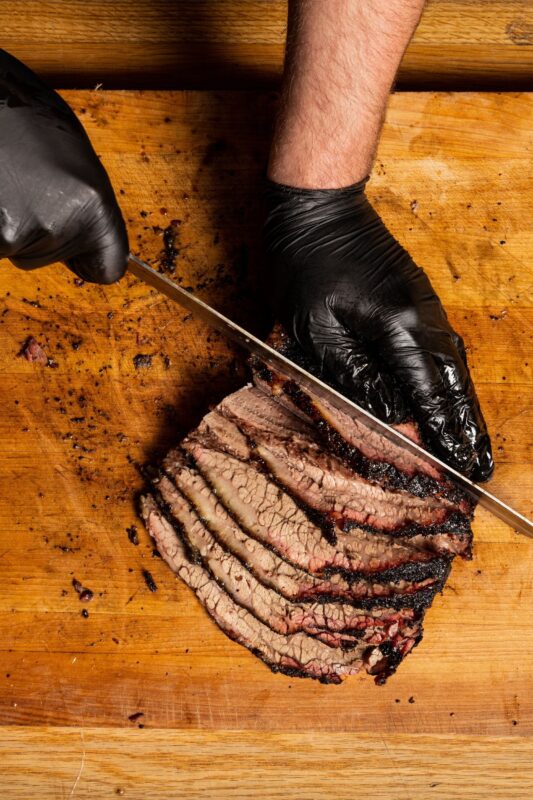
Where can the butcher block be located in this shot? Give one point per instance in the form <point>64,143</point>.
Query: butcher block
<point>136,690</point>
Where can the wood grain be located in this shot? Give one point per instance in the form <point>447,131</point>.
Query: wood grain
<point>452,180</point>
<point>97,763</point>
<point>239,43</point>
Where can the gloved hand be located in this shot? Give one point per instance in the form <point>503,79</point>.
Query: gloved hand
<point>56,201</point>
<point>355,301</point>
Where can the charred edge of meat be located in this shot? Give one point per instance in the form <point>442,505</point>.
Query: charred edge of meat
<point>438,567</point>
<point>392,659</point>
<point>292,672</point>
<point>386,667</point>
<point>148,472</point>
<point>417,600</point>
<point>376,471</point>
<point>455,524</point>
<point>192,553</point>
<point>380,472</point>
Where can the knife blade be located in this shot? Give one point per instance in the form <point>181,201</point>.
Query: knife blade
<point>292,371</point>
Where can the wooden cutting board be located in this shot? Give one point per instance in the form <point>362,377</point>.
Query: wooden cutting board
<point>453,182</point>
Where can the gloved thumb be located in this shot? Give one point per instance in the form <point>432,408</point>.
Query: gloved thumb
<point>103,254</point>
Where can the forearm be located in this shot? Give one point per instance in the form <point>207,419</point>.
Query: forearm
<point>342,58</point>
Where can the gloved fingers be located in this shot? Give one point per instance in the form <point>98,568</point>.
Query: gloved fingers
<point>443,400</point>
<point>97,253</point>
<point>468,414</point>
<point>345,359</point>
<point>103,255</point>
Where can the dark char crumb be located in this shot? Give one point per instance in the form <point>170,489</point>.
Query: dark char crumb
<point>84,593</point>
<point>170,252</point>
<point>132,534</point>
<point>33,303</point>
<point>84,613</point>
<point>149,580</point>
<point>142,361</point>
<point>136,716</point>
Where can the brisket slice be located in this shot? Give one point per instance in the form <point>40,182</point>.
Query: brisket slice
<point>290,581</point>
<point>337,624</point>
<point>264,431</point>
<point>270,515</point>
<point>372,455</point>
<point>309,538</point>
<point>304,482</point>
<point>295,654</point>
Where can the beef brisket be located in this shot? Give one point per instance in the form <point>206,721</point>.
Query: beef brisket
<point>309,538</point>
<point>372,455</point>
<point>294,456</point>
<point>295,654</point>
<point>290,581</point>
<point>271,515</point>
<point>337,624</point>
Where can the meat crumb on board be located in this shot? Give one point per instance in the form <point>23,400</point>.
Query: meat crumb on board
<point>152,585</point>
<point>35,354</point>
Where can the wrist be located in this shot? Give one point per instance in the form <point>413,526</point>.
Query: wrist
<point>308,165</point>
<point>284,190</point>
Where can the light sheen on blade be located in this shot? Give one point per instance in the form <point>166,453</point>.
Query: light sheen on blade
<point>322,390</point>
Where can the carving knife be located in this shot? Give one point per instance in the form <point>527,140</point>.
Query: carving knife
<point>320,389</point>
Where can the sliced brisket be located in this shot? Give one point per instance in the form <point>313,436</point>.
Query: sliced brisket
<point>270,515</point>
<point>309,538</point>
<point>337,624</point>
<point>285,578</point>
<point>372,455</point>
<point>289,449</point>
<point>295,653</point>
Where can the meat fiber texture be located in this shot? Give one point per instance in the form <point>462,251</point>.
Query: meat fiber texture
<point>308,538</point>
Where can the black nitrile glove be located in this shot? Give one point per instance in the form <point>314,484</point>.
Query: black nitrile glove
<point>56,201</point>
<point>355,301</point>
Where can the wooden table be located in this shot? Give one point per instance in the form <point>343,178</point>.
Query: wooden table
<point>453,181</point>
